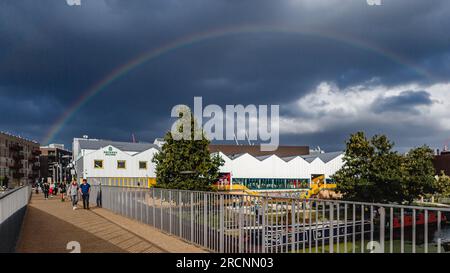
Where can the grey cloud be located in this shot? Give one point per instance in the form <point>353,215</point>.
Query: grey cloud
<point>406,101</point>
<point>52,52</point>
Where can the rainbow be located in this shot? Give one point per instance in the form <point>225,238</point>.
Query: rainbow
<point>189,40</point>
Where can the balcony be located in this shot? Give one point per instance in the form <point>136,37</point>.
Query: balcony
<point>33,160</point>
<point>18,175</point>
<point>18,157</point>
<point>17,165</point>
<point>36,152</point>
<point>15,147</point>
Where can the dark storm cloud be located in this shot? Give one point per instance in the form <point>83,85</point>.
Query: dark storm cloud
<point>51,53</point>
<point>406,101</point>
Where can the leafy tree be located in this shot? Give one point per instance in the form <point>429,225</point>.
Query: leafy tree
<point>385,171</point>
<point>442,185</point>
<point>418,173</point>
<point>374,172</point>
<point>186,164</point>
<point>353,177</point>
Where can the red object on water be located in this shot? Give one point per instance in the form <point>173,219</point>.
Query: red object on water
<point>420,219</point>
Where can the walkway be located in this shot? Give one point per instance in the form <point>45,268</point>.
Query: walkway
<point>50,225</point>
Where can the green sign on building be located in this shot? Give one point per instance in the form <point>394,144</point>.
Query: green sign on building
<point>110,152</point>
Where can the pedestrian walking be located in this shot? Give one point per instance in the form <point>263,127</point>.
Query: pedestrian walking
<point>73,192</point>
<point>62,189</point>
<point>51,189</point>
<point>46,189</point>
<point>85,190</point>
<point>36,186</point>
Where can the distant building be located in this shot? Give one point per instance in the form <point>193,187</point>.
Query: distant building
<point>113,159</point>
<point>285,169</point>
<point>275,172</point>
<point>442,162</point>
<point>19,160</point>
<point>54,162</point>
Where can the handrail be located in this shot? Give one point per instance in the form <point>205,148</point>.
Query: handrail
<point>11,191</point>
<point>390,205</point>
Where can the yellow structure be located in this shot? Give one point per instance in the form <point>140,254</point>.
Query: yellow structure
<point>318,184</point>
<point>235,187</point>
<point>134,182</point>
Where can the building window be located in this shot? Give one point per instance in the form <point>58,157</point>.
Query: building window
<point>143,165</point>
<point>98,164</point>
<point>121,164</point>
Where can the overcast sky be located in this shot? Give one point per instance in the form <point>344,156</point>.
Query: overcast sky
<point>333,66</point>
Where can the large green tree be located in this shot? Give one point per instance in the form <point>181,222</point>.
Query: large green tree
<point>186,163</point>
<point>374,172</point>
<point>418,177</point>
<point>442,185</point>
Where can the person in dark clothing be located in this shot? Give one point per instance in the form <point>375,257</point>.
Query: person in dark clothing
<point>62,189</point>
<point>45,189</point>
<point>85,190</point>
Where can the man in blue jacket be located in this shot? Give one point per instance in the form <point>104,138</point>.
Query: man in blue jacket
<point>85,189</point>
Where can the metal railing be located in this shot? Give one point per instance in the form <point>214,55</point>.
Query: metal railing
<point>13,204</point>
<point>236,223</point>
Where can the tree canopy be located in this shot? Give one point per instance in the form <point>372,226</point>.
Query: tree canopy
<point>443,185</point>
<point>186,163</point>
<point>374,172</point>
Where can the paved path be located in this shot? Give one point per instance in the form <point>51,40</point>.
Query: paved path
<point>50,225</point>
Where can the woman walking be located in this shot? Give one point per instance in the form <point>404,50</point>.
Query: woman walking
<point>51,189</point>
<point>73,191</point>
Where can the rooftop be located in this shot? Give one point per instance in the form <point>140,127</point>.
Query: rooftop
<point>18,137</point>
<point>255,150</point>
<point>95,144</point>
<point>325,157</point>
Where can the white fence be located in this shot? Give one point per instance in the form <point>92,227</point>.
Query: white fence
<point>12,201</point>
<point>12,209</point>
<point>235,223</point>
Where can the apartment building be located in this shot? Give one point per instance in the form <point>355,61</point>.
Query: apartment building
<point>19,160</point>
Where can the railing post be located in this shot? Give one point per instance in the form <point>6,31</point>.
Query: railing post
<point>293,226</point>
<point>222,226</point>
<point>170,211</point>
<point>264,240</point>
<point>180,214</point>
<point>331,237</point>
<point>426,232</point>
<point>439,215</point>
<point>382,227</point>
<point>161,210</point>
<point>205,220</point>
<point>192,217</point>
<point>153,207</point>
<point>241,241</point>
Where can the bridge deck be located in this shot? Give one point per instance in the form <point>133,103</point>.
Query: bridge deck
<point>49,225</point>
